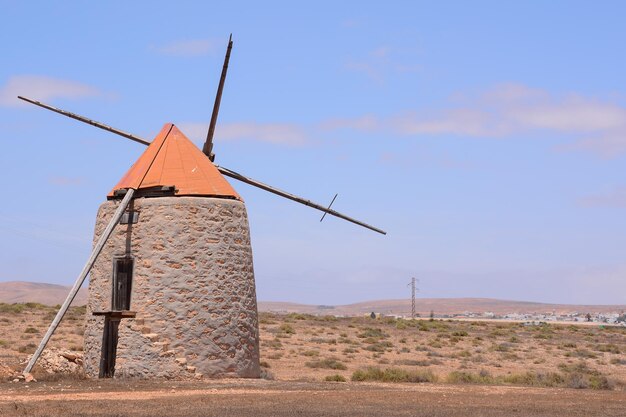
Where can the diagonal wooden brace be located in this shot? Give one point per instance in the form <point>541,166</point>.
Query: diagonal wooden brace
<point>81,278</point>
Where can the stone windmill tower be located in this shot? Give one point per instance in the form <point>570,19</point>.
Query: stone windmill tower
<point>172,290</point>
<point>180,267</point>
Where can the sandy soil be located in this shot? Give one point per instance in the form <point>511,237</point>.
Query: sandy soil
<point>279,398</point>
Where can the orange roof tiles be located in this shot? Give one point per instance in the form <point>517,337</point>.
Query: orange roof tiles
<point>172,159</point>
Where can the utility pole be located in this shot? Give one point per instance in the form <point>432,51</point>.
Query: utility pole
<point>413,289</point>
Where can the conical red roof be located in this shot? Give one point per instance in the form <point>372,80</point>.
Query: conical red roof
<point>173,160</point>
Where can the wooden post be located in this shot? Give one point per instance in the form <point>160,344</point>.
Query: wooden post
<point>81,278</point>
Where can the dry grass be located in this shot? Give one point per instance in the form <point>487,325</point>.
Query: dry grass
<point>392,375</point>
<point>452,351</point>
<point>23,325</point>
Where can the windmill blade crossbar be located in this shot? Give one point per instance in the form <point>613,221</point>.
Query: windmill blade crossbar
<point>225,171</point>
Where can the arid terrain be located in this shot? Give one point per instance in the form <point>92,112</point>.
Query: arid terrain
<point>439,306</point>
<point>323,365</point>
<point>52,294</point>
<point>38,292</point>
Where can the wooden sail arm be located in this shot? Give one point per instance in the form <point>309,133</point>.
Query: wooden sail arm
<point>223,170</point>
<point>293,197</point>
<point>207,149</point>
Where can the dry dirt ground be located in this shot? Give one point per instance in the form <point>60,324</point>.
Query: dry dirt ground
<point>257,398</point>
<point>391,367</point>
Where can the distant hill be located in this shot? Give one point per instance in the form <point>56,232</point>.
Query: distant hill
<point>438,305</point>
<point>53,294</point>
<point>36,292</point>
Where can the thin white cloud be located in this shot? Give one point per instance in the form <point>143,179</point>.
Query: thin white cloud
<point>512,108</point>
<point>593,125</point>
<point>367,122</point>
<point>606,146</point>
<point>187,48</point>
<point>66,181</point>
<point>582,123</point>
<point>572,114</point>
<point>380,62</point>
<point>460,121</point>
<point>275,133</point>
<point>613,198</point>
<point>44,89</point>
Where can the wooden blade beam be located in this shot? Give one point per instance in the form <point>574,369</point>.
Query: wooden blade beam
<point>223,170</point>
<point>86,120</point>
<point>295,198</point>
<point>207,149</point>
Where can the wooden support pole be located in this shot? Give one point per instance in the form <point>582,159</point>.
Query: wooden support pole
<point>81,278</point>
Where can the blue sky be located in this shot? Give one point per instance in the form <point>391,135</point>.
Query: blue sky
<point>488,138</point>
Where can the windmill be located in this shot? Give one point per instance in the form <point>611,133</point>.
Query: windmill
<point>171,289</point>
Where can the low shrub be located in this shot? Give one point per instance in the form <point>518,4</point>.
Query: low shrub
<point>321,340</point>
<point>502,347</point>
<point>299,316</point>
<point>581,376</point>
<point>37,306</point>
<point>574,376</point>
<point>12,308</point>
<point>392,375</point>
<point>584,353</point>
<point>550,379</point>
<point>462,377</point>
<point>287,328</point>
<point>371,332</point>
<point>328,363</point>
<point>335,378</point>
<point>610,348</point>
<point>379,347</point>
<point>29,348</point>
<point>274,344</point>
<point>401,324</point>
<point>413,362</point>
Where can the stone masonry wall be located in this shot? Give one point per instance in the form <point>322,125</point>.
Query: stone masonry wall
<point>193,290</point>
